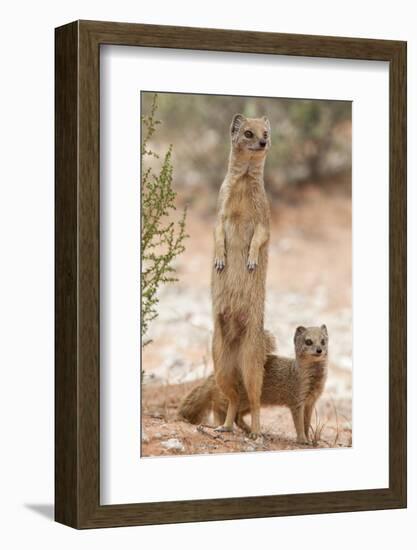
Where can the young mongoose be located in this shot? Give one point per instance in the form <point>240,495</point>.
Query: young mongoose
<point>240,261</point>
<point>295,383</point>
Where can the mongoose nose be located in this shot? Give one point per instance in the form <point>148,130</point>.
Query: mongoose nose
<point>262,143</point>
<point>318,350</point>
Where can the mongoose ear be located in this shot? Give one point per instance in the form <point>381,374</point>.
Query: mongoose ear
<point>298,331</point>
<point>236,123</point>
<point>324,329</point>
<point>266,120</point>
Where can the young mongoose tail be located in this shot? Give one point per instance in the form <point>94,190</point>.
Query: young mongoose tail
<point>199,400</point>
<point>294,383</point>
<point>241,237</point>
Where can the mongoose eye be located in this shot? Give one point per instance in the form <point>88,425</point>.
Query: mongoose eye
<point>248,134</point>
<point>323,342</point>
<point>265,135</point>
<point>309,342</point>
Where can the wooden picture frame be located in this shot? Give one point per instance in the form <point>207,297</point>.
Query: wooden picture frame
<point>77,359</point>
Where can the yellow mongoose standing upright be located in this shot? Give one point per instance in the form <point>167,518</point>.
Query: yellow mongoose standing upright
<point>240,261</point>
<point>295,383</point>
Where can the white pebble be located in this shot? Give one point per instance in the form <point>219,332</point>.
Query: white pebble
<point>173,444</point>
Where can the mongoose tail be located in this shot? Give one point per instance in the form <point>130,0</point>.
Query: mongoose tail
<point>197,402</point>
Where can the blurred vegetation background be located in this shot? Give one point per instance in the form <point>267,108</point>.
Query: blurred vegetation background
<point>311,141</point>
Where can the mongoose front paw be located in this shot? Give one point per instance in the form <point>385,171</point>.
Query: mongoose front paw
<point>219,264</point>
<point>251,264</point>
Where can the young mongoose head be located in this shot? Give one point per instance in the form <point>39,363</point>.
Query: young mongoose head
<point>250,136</point>
<point>311,343</point>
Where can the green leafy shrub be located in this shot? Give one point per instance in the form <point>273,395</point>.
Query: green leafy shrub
<point>161,238</point>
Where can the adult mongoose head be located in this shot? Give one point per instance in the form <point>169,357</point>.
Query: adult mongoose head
<point>250,136</point>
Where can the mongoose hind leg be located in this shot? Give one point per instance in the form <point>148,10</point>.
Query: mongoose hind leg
<point>219,417</point>
<point>252,374</point>
<point>232,409</point>
<point>225,369</point>
<point>240,422</point>
<point>226,381</point>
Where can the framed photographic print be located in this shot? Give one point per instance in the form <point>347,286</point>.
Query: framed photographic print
<point>230,274</point>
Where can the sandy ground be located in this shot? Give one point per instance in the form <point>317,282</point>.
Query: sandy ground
<point>164,434</point>
<point>309,282</point>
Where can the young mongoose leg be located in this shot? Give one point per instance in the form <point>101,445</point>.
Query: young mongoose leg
<point>308,411</point>
<point>260,237</point>
<point>219,247</point>
<point>298,417</point>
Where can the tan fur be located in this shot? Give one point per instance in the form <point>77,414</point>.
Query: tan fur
<point>240,261</point>
<point>295,383</point>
